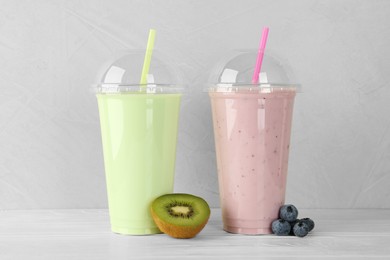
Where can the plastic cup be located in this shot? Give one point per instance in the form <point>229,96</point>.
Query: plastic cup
<point>252,129</point>
<point>139,126</point>
<point>139,133</point>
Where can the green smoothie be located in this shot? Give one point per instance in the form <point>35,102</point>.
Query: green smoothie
<point>139,136</point>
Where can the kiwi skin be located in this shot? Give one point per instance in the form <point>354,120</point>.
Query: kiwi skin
<point>177,231</point>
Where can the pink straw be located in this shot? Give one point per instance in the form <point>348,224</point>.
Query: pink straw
<point>260,55</point>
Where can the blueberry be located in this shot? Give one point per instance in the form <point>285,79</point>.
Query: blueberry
<point>288,212</point>
<point>280,227</point>
<point>309,222</point>
<point>301,229</point>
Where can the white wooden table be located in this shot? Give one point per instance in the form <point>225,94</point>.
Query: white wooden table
<point>85,234</point>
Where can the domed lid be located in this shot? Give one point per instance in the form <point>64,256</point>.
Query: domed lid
<point>123,74</point>
<point>236,71</point>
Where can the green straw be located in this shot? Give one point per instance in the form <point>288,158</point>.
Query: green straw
<point>148,57</point>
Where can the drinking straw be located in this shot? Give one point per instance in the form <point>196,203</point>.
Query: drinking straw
<point>148,57</point>
<point>260,55</point>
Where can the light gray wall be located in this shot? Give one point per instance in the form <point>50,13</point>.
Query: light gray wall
<point>50,52</point>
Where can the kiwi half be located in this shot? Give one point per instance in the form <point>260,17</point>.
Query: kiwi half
<point>180,215</point>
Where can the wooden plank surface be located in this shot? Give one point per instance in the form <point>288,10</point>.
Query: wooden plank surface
<point>85,234</point>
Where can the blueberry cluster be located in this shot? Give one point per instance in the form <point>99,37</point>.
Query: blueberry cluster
<point>289,224</point>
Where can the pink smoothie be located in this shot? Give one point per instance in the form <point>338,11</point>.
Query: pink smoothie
<point>252,140</point>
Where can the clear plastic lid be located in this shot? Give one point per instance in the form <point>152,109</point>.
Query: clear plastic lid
<point>235,72</point>
<point>123,75</point>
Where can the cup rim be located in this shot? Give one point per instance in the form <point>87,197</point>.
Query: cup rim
<point>253,87</point>
<point>149,88</point>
